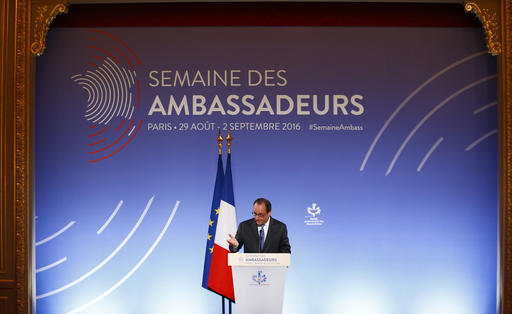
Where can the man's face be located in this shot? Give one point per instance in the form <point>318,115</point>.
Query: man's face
<point>260,214</point>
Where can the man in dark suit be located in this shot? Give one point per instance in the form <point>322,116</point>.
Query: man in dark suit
<point>262,234</point>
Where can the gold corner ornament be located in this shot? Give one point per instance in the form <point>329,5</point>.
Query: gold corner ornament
<point>219,140</point>
<point>490,23</point>
<point>229,139</point>
<point>43,14</point>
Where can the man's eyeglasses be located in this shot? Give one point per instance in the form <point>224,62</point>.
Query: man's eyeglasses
<point>258,215</point>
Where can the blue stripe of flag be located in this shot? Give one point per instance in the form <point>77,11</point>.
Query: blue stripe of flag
<point>217,192</point>
<point>227,189</point>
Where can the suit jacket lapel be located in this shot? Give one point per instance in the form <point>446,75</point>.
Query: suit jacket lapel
<point>254,231</point>
<point>267,237</point>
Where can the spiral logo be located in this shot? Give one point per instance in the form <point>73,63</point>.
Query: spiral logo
<point>113,95</point>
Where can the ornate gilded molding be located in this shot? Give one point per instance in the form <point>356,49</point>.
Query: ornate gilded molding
<point>489,21</point>
<point>42,16</point>
<point>20,160</point>
<point>29,36</point>
<point>505,120</point>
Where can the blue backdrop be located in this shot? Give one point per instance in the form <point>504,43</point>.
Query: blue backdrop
<point>390,209</point>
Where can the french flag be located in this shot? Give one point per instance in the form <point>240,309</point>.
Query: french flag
<point>217,274</point>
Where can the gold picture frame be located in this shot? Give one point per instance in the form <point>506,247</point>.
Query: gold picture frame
<point>24,26</point>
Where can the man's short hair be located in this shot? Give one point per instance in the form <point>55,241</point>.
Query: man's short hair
<point>261,200</point>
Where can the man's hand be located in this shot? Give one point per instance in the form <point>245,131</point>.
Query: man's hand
<point>232,241</point>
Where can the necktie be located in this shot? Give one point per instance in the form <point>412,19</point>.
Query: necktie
<point>262,239</point>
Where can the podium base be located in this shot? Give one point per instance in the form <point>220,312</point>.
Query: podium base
<point>259,289</point>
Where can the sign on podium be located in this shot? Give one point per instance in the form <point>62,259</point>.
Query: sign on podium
<point>258,280</point>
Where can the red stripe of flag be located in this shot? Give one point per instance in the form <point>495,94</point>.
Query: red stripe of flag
<point>221,280</point>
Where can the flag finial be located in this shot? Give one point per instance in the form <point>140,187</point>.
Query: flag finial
<point>220,139</point>
<point>228,139</point>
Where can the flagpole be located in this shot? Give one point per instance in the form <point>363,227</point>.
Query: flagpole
<point>219,140</point>
<point>228,140</point>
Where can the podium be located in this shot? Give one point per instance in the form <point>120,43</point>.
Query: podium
<point>258,280</point>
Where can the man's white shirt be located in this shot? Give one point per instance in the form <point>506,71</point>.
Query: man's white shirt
<point>265,229</point>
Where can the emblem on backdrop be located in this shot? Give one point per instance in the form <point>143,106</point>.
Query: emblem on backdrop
<point>314,213</point>
<point>260,278</point>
